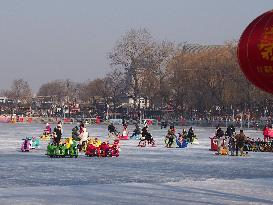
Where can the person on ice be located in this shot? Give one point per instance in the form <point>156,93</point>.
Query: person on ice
<point>232,145</point>
<point>136,131</point>
<point>58,131</point>
<point>217,129</point>
<point>184,133</point>
<point>219,135</point>
<point>123,121</point>
<point>81,126</point>
<point>240,142</point>
<point>53,140</point>
<point>146,135</point>
<point>230,130</point>
<point>181,141</point>
<point>170,136</point>
<point>75,133</point>
<point>47,129</point>
<point>190,134</point>
<point>125,130</point>
<point>144,131</point>
<point>163,124</point>
<point>83,138</point>
<point>112,129</point>
<point>60,124</point>
<point>265,133</point>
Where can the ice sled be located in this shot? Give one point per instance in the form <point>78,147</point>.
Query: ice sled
<point>270,133</point>
<point>91,150</point>
<point>30,143</point>
<point>26,145</point>
<point>35,143</point>
<point>182,144</point>
<point>45,137</point>
<point>135,137</point>
<point>224,151</point>
<point>147,140</point>
<point>103,150</point>
<point>195,141</point>
<point>213,143</point>
<point>124,136</point>
<point>68,149</point>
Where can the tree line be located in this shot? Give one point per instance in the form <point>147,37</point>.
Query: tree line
<point>167,75</point>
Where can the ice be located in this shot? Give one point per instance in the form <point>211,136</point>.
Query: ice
<point>148,175</point>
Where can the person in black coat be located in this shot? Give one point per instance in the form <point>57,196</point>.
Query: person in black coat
<point>112,129</point>
<point>190,134</point>
<point>145,134</point>
<point>219,133</point>
<point>136,131</point>
<point>230,130</point>
<point>58,131</point>
<point>75,133</point>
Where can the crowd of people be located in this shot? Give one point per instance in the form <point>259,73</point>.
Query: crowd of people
<point>78,133</point>
<point>84,141</point>
<point>227,141</point>
<point>237,144</point>
<point>183,137</point>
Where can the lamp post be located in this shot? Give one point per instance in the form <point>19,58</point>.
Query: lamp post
<point>241,120</point>
<point>107,111</point>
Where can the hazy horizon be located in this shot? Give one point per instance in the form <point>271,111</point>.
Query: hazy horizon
<point>41,41</point>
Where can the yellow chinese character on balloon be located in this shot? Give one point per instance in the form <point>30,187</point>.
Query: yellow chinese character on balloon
<point>266,44</point>
<point>268,69</point>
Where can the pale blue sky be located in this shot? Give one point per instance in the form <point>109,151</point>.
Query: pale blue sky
<point>43,40</point>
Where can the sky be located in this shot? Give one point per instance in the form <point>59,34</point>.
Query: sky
<point>44,40</point>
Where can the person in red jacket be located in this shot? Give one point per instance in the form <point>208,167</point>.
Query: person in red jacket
<point>115,148</point>
<point>265,133</point>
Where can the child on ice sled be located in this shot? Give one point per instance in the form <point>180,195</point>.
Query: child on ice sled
<point>181,141</point>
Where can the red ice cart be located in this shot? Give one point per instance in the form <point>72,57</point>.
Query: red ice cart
<point>213,144</point>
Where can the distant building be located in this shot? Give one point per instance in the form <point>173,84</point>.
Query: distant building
<point>197,48</point>
<point>142,103</point>
<point>128,101</point>
<point>6,101</point>
<point>3,100</point>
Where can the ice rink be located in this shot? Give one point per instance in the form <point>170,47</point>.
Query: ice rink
<point>149,175</point>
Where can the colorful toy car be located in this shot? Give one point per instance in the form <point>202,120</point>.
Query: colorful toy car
<point>26,145</point>
<point>103,149</point>
<point>67,149</point>
<point>30,143</point>
<point>45,136</point>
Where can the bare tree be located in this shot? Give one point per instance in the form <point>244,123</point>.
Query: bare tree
<point>57,88</point>
<point>20,91</point>
<point>116,86</point>
<point>132,53</point>
<point>144,61</point>
<point>154,82</point>
<point>202,80</point>
<point>94,89</point>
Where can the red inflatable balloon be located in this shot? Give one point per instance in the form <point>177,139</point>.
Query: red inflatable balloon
<point>255,52</point>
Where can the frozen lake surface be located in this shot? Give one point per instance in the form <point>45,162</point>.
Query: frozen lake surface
<point>150,175</point>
